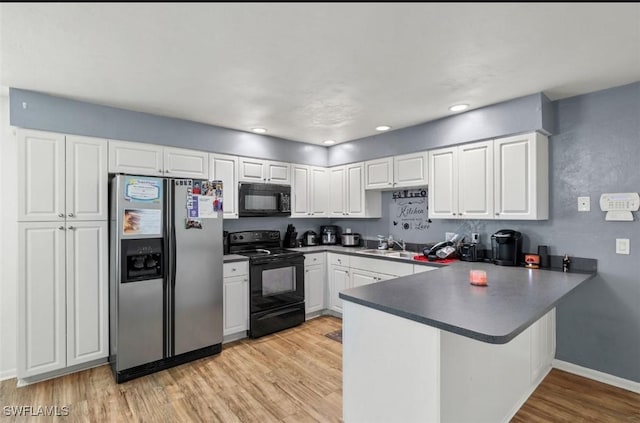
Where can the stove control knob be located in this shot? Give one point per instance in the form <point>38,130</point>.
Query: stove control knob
<point>241,237</point>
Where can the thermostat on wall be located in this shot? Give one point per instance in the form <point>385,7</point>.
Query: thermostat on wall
<point>619,205</point>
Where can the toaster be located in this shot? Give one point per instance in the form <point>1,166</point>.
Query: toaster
<point>471,252</point>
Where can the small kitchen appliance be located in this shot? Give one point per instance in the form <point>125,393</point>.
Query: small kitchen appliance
<point>506,247</point>
<point>471,252</point>
<point>290,237</point>
<point>350,240</point>
<point>310,238</point>
<point>329,234</point>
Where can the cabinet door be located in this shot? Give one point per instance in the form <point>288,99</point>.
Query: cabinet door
<point>135,158</point>
<point>443,183</point>
<point>521,177</point>
<point>379,173</point>
<point>362,277</point>
<point>225,168</point>
<point>236,305</point>
<point>278,173</point>
<point>337,195</point>
<point>251,170</point>
<point>475,183</point>
<point>300,189</point>
<point>410,170</point>
<point>87,178</point>
<point>87,292</point>
<point>314,288</point>
<point>355,189</point>
<point>183,163</point>
<point>319,192</point>
<point>41,298</point>
<point>41,176</point>
<point>338,281</point>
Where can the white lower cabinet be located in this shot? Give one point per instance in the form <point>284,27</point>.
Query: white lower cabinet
<point>235,298</point>
<point>62,295</point>
<point>314,283</point>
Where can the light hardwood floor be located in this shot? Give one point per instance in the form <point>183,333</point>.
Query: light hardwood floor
<point>291,376</point>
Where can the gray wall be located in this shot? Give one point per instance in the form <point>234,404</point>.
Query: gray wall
<point>524,114</point>
<point>49,113</point>
<point>596,149</point>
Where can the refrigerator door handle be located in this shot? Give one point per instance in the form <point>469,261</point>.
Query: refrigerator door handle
<point>171,264</point>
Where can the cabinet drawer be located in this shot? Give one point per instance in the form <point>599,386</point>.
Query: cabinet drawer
<point>381,266</point>
<point>235,269</point>
<point>338,259</point>
<point>313,259</point>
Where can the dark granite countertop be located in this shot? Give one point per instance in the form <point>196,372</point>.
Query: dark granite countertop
<point>357,251</point>
<point>514,299</point>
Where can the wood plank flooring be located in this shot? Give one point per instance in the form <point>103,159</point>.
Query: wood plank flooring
<point>292,376</point>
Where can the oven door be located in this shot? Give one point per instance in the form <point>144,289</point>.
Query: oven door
<point>264,200</point>
<point>276,282</point>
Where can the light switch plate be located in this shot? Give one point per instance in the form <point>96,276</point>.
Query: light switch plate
<point>584,204</point>
<point>622,246</point>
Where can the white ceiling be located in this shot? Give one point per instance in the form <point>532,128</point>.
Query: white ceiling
<point>310,72</point>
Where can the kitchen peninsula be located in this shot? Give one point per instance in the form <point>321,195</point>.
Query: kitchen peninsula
<point>431,347</point>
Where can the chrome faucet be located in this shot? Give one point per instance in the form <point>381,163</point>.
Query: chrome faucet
<point>401,244</point>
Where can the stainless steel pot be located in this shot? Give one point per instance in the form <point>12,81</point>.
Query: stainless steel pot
<point>350,240</point>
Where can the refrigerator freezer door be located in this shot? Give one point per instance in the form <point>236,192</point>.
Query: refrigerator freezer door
<point>140,330</point>
<point>197,288</point>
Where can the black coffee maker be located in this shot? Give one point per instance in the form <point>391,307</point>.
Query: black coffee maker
<point>506,247</point>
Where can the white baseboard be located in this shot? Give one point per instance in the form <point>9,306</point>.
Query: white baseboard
<point>619,382</point>
<point>8,374</point>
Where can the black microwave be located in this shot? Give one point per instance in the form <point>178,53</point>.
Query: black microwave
<point>264,200</point>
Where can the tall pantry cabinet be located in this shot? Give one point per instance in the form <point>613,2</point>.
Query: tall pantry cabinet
<point>63,252</point>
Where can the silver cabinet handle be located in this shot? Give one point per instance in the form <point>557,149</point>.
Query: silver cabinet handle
<point>390,183</point>
<point>234,269</point>
<point>71,215</point>
<point>159,170</point>
<point>166,171</point>
<point>497,214</point>
<point>60,214</point>
<point>246,280</point>
<point>72,228</point>
<point>61,228</point>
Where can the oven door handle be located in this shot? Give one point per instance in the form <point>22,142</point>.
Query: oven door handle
<point>279,313</point>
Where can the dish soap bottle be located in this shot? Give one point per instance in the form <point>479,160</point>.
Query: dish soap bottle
<point>390,242</point>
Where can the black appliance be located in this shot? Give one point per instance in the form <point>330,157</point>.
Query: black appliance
<point>506,247</point>
<point>276,281</point>
<point>309,239</point>
<point>471,252</point>
<point>290,237</point>
<point>256,200</point>
<point>329,234</point>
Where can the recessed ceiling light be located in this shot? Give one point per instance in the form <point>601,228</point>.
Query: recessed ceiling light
<point>383,128</point>
<point>458,107</point>
<point>329,142</point>
<point>259,130</point>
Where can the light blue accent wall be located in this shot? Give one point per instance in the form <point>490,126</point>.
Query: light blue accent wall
<point>57,114</point>
<point>521,115</point>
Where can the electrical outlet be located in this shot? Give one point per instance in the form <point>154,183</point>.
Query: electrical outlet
<point>622,246</point>
<point>584,204</point>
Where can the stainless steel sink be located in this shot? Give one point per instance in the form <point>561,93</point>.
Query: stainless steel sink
<point>407,255</point>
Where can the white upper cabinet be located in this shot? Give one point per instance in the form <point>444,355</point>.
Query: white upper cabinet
<point>154,160</point>
<point>475,180</point>
<point>505,178</point>
<point>410,170</point>
<point>183,163</point>
<point>86,178</point>
<point>225,168</point>
<point>405,171</point>
<point>443,183</point>
<point>264,171</point>
<point>337,196</point>
<point>61,177</point>
<point>379,173</point>
<point>347,196</point>
<point>135,158</point>
<point>310,191</point>
<point>521,177</point>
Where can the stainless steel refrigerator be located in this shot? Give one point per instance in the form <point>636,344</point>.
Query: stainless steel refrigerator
<point>166,259</point>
